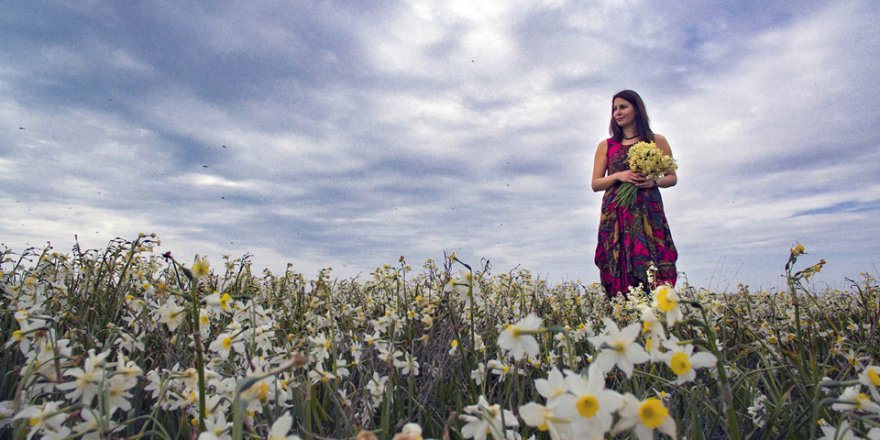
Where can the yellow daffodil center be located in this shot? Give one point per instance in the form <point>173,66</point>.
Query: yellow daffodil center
<point>454,344</point>
<point>619,346</point>
<point>513,330</point>
<point>646,326</point>
<point>19,335</point>
<point>203,320</point>
<point>34,421</point>
<point>543,427</point>
<point>201,267</point>
<point>225,299</point>
<point>680,363</point>
<point>652,413</point>
<point>226,343</point>
<point>587,406</point>
<point>663,302</point>
<point>874,376</point>
<point>264,392</point>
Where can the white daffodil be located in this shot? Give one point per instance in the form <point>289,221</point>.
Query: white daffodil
<point>483,419</point>
<point>42,418</point>
<point>618,347</point>
<point>548,418</point>
<point>170,314</point>
<point>644,417</point>
<point>320,375</point>
<point>127,370</point>
<point>216,428</point>
<point>498,368</point>
<point>376,385</point>
<point>553,386</point>
<point>870,377</point>
<point>281,429</point>
<point>409,365</point>
<point>220,303</point>
<point>653,331</point>
<point>467,286</point>
<point>225,343</point>
<point>117,395</point>
<point>593,406</point>
<point>855,400</point>
<point>478,375</point>
<point>841,432</point>
<point>201,268</point>
<point>410,431</point>
<point>666,299</point>
<point>683,362</point>
<point>518,339</point>
<point>86,384</point>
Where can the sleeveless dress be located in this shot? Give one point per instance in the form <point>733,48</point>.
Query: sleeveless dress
<point>630,240</point>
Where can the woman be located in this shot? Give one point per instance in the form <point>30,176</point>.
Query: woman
<point>632,240</point>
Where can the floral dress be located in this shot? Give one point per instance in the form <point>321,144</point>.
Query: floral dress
<point>631,240</point>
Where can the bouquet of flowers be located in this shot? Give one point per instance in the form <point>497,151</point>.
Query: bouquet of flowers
<point>647,159</point>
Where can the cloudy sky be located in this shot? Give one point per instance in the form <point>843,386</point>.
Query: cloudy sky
<point>346,134</point>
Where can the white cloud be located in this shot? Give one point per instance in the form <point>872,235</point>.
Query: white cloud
<point>346,136</point>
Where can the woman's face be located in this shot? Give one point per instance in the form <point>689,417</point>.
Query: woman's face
<point>623,112</point>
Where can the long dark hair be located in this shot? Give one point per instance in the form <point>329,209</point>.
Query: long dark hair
<point>643,126</point>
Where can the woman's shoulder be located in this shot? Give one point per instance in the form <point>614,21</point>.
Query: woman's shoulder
<point>662,143</point>
<point>607,142</point>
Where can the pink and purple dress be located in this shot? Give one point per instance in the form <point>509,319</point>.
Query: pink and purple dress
<point>630,239</point>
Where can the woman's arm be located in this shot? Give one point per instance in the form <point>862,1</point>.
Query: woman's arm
<point>600,181</point>
<point>670,179</point>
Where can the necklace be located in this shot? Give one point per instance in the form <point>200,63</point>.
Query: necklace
<point>631,137</point>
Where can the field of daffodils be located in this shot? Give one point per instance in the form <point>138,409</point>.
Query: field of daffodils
<point>128,342</point>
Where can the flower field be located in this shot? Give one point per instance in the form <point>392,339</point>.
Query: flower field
<point>127,342</point>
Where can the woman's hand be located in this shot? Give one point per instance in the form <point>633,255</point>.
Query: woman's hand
<point>630,176</point>
<point>647,183</point>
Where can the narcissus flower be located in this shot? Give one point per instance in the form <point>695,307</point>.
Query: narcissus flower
<point>666,299</point>
<point>870,377</point>
<point>281,428</point>
<point>201,268</point>
<point>594,405</point>
<point>410,431</point>
<point>547,418</point>
<point>171,314</point>
<point>553,386</point>
<point>220,302</point>
<point>618,347</point>
<point>484,419</point>
<point>644,417</point>
<point>88,379</point>
<point>683,362</point>
<point>854,400</point>
<point>518,340</point>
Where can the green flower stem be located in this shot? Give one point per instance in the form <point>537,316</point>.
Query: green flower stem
<point>200,355</point>
<point>733,429</point>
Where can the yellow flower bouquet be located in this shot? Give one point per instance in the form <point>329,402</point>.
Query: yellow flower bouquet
<point>647,159</point>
